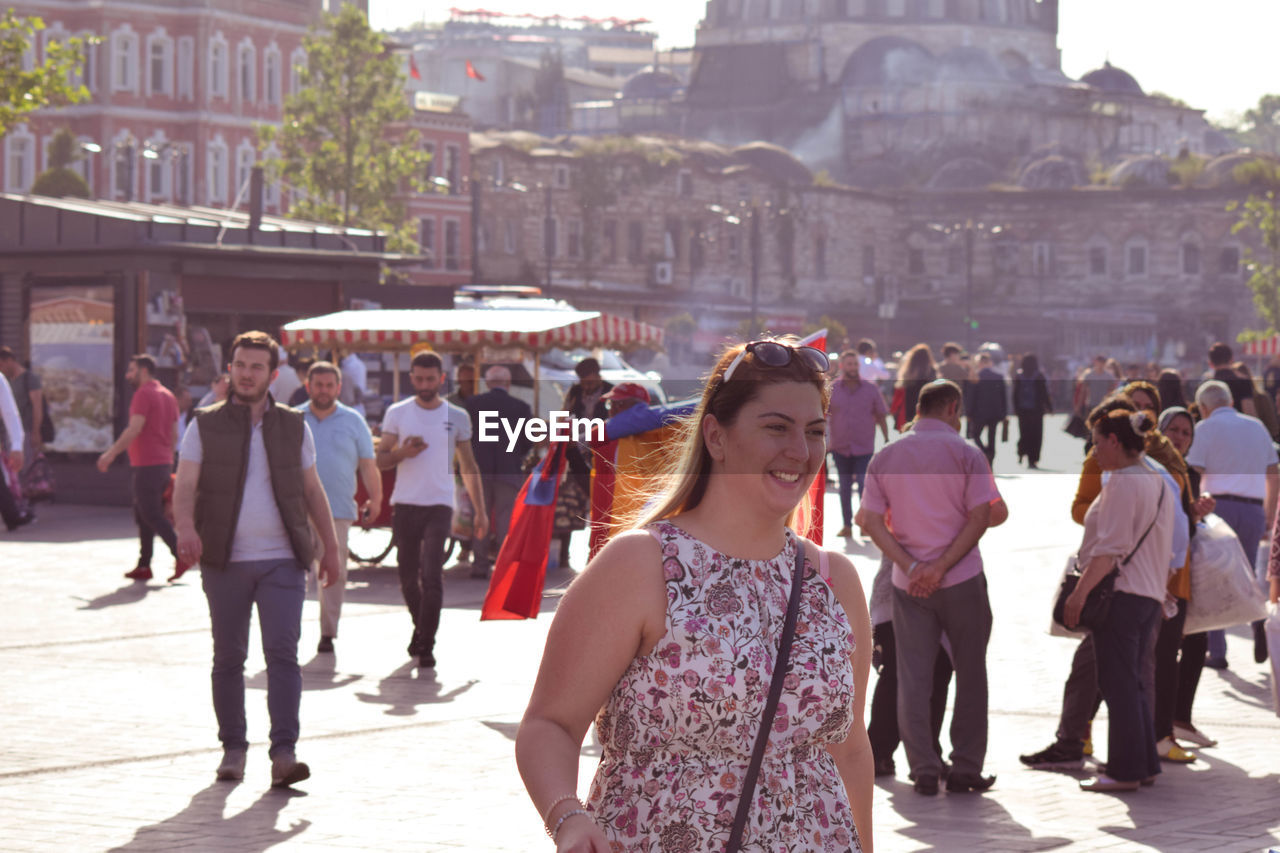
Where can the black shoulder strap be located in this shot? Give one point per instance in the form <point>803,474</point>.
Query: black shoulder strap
<point>1164,487</point>
<point>771,706</point>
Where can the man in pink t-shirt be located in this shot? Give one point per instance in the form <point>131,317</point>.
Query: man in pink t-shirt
<point>150,438</point>
<point>942,498</point>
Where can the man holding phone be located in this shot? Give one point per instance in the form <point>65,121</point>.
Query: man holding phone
<point>344,448</point>
<point>421,437</point>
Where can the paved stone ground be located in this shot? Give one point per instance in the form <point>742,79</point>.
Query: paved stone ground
<point>109,737</point>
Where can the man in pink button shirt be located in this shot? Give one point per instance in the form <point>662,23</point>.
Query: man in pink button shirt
<point>940,494</point>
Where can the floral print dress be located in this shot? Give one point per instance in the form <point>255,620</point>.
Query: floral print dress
<point>680,726</point>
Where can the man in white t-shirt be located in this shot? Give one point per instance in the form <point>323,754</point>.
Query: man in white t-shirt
<point>1238,465</point>
<point>421,437</point>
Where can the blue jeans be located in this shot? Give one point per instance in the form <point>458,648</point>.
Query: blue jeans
<point>1249,522</point>
<point>1121,644</point>
<point>278,588</point>
<point>850,470</point>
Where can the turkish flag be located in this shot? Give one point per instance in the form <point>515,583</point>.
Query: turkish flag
<point>515,592</point>
<point>473,73</point>
<point>413,69</point>
<point>818,488</point>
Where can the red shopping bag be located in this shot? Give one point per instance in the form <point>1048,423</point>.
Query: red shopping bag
<point>515,591</point>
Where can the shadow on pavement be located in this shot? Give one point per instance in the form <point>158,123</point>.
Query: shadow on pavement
<point>320,673</point>
<point>402,691</point>
<point>130,593</point>
<point>967,818</point>
<point>71,523</point>
<point>253,829</point>
<point>1254,693</point>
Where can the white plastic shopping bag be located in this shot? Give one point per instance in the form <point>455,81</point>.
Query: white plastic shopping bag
<point>1223,590</point>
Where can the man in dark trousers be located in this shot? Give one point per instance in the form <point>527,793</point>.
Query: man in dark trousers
<point>247,486</point>
<point>500,468</point>
<point>988,406</point>
<point>149,438</point>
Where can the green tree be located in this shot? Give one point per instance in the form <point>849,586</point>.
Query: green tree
<point>1260,218</point>
<point>60,180</point>
<point>48,84</point>
<point>1261,126</point>
<point>343,145</point>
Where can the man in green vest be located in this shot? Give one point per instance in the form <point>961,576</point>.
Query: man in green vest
<point>246,486</point>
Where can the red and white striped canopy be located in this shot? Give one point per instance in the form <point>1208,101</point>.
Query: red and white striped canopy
<point>1265,346</point>
<point>469,328</point>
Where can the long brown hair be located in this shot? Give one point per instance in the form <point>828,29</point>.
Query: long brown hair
<point>684,484</point>
<point>917,364</point>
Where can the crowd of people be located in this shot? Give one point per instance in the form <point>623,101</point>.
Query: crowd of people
<point>711,644</point>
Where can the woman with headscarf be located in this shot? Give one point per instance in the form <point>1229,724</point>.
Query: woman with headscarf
<point>1176,690</point>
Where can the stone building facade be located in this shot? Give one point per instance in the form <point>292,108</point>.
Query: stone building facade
<point>940,93</point>
<point>1144,266</point>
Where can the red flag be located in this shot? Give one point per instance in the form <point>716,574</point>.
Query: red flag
<point>818,488</point>
<point>603,480</point>
<point>515,592</point>
<point>473,73</point>
<point>413,69</point>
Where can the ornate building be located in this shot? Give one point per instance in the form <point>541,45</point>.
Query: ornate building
<point>920,92</point>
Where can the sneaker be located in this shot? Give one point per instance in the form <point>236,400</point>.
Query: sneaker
<point>1059,756</point>
<point>1170,751</point>
<point>1189,733</point>
<point>969,783</point>
<point>287,770</point>
<point>426,660</point>
<point>1259,642</point>
<point>885,767</point>
<point>232,767</point>
<point>326,645</point>
<point>141,573</point>
<point>845,532</point>
<point>1216,662</point>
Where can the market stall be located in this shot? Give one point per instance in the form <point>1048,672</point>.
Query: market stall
<point>469,329</point>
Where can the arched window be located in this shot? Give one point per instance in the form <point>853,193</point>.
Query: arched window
<point>270,179</point>
<point>19,160</point>
<point>218,71</point>
<point>246,157</point>
<point>271,74</point>
<point>297,65</point>
<point>159,63</point>
<point>216,171</point>
<point>246,72</point>
<point>186,67</point>
<point>124,60</point>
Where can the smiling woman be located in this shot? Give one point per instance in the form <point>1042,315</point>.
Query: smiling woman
<point>678,627</point>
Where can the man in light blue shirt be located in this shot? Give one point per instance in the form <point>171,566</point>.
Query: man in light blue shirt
<point>344,447</point>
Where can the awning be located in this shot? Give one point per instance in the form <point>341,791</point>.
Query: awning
<point>386,330</point>
<point>1265,346</point>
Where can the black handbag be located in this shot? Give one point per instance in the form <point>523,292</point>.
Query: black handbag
<point>1098,603</point>
<point>1076,427</point>
<point>770,706</point>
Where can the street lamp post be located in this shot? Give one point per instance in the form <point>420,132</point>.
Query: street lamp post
<point>970,231</point>
<point>753,213</point>
<point>548,239</point>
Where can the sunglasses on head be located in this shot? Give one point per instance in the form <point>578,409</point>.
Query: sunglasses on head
<point>775,354</point>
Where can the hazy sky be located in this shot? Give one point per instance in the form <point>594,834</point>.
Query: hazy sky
<point>1217,56</point>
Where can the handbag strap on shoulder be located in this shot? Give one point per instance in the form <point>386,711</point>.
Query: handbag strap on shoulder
<point>771,706</point>
<point>1143,538</point>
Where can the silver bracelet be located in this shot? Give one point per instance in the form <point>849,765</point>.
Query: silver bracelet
<point>557,801</point>
<point>563,818</point>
